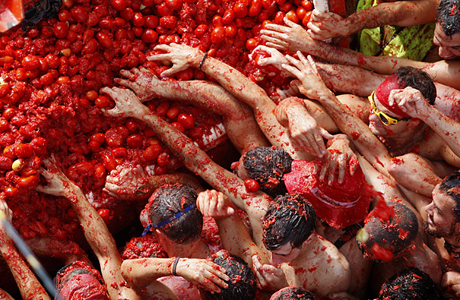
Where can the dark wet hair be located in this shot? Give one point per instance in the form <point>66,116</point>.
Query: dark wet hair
<point>289,218</point>
<point>64,274</point>
<point>293,293</point>
<point>410,283</point>
<point>143,247</point>
<point>170,199</point>
<point>449,16</point>
<point>451,186</point>
<point>393,234</point>
<point>267,165</point>
<point>242,283</point>
<point>418,79</point>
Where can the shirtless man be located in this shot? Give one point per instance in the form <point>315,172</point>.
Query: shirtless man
<point>443,224</point>
<point>294,37</point>
<point>289,235</point>
<point>101,242</point>
<point>177,226</point>
<point>403,119</point>
<point>255,204</point>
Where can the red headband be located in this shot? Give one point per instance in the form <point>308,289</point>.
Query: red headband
<point>383,93</point>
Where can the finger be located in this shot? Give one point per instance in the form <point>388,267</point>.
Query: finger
<point>273,27</point>
<point>323,171</point>
<point>156,57</point>
<point>320,143</point>
<point>312,27</point>
<point>290,23</point>
<point>291,70</point>
<point>325,134</point>
<point>313,65</point>
<point>342,167</point>
<point>332,168</point>
<point>276,40</point>
<point>313,146</point>
<point>275,46</point>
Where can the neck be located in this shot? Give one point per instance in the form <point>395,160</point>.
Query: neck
<point>309,248</point>
<point>195,249</point>
<point>406,143</point>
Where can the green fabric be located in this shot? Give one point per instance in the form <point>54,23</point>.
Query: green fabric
<point>411,42</point>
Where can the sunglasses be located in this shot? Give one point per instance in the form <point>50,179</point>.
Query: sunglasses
<point>386,119</point>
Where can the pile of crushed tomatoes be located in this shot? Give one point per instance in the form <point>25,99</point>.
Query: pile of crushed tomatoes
<point>50,76</point>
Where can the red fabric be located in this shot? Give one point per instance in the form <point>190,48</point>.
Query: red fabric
<point>339,205</point>
<point>383,93</point>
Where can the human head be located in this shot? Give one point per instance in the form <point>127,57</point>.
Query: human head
<point>288,222</point>
<point>143,247</point>
<point>402,78</point>
<point>390,231</point>
<point>444,210</point>
<point>79,280</point>
<point>292,293</point>
<point>410,283</point>
<point>242,283</point>
<point>173,212</point>
<point>266,165</point>
<point>338,204</point>
<point>447,31</point>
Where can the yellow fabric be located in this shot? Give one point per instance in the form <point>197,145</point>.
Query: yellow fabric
<point>411,42</point>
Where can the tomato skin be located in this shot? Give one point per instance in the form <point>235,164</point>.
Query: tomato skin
<point>105,214</point>
<point>163,159</point>
<point>307,18</point>
<point>162,109</point>
<point>135,140</point>
<point>292,16</point>
<point>61,29</point>
<point>218,35</point>
<point>151,21</point>
<point>200,30</point>
<point>119,152</point>
<point>152,152</point>
<point>138,20</point>
<point>381,254</point>
<point>240,10</point>
<point>23,150</point>
<point>118,4</point>
<point>104,39</point>
<point>113,138</point>
<point>109,162</point>
<point>106,23</point>
<point>127,13</point>
<point>172,112</point>
<point>251,185</point>
<point>5,163</point>
<point>149,36</point>
<point>80,14</point>
<point>168,21</point>
<point>255,8</point>
<point>178,126</point>
<point>31,62</point>
<point>307,4</point>
<point>186,120</point>
<point>28,182</point>
<point>229,16</point>
<point>174,4</point>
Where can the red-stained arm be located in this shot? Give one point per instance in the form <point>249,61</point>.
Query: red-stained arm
<point>28,284</point>
<point>238,118</point>
<point>96,232</point>
<point>195,159</point>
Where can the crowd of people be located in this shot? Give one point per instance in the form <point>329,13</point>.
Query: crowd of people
<point>347,188</point>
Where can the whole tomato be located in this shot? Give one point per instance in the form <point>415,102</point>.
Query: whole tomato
<point>251,185</point>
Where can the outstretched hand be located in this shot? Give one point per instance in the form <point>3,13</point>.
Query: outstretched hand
<point>214,204</point>
<point>269,277</point>
<point>305,70</point>
<point>291,37</point>
<point>180,55</point>
<point>143,82</point>
<point>127,104</point>
<point>58,183</point>
<point>325,25</point>
<point>203,273</point>
<point>127,182</point>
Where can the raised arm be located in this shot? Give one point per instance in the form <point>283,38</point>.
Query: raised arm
<point>237,117</point>
<point>294,37</point>
<point>412,102</point>
<point>28,284</point>
<point>313,87</point>
<point>400,13</point>
<point>238,85</point>
<point>196,160</point>
<point>96,232</point>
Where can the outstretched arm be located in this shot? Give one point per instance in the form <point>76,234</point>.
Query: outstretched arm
<point>238,85</point>
<point>201,272</point>
<point>129,182</point>
<point>400,13</point>
<point>294,37</point>
<point>96,232</point>
<point>255,204</point>
<point>237,117</point>
<point>28,284</point>
<point>313,87</point>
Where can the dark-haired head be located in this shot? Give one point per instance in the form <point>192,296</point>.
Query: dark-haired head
<point>289,219</point>
<point>292,293</point>
<point>410,283</point>
<point>449,16</point>
<point>242,283</point>
<point>267,165</point>
<point>390,232</point>
<point>418,79</point>
<point>451,186</point>
<point>173,211</point>
<point>79,280</point>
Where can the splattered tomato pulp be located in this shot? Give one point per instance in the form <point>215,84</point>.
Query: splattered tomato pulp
<point>49,101</point>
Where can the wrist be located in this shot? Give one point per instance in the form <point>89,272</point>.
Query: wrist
<point>174,266</point>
